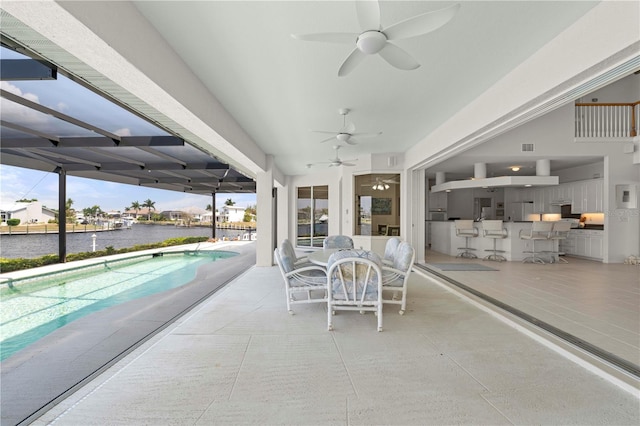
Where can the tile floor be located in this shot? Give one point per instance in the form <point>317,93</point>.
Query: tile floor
<point>239,358</point>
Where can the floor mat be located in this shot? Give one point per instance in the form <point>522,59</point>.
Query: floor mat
<point>461,267</point>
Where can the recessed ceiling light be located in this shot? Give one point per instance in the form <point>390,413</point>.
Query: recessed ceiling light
<point>515,168</point>
<point>528,185</point>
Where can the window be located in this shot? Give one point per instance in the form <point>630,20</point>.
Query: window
<point>377,204</point>
<point>313,215</point>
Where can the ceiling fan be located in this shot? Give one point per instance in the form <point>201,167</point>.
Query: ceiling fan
<point>382,184</point>
<point>375,39</point>
<point>347,133</point>
<point>335,162</point>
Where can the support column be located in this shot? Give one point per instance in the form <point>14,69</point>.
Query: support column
<point>213,214</point>
<point>62,215</point>
<point>265,220</point>
<point>440,178</point>
<point>480,170</point>
<point>543,167</point>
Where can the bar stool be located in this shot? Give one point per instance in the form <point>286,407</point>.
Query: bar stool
<point>464,228</point>
<point>493,229</point>
<point>539,231</point>
<point>559,232</point>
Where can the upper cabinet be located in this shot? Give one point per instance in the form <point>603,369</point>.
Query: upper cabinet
<point>585,196</point>
<point>438,201</point>
<point>588,196</point>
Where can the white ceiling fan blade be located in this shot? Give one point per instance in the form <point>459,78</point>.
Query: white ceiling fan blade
<point>340,38</point>
<point>351,62</point>
<point>328,139</point>
<point>421,24</point>
<point>398,58</point>
<point>326,132</point>
<point>349,128</point>
<point>344,163</point>
<point>366,135</point>
<point>351,141</point>
<point>368,12</point>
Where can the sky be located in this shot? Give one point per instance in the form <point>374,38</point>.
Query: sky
<point>17,183</point>
<point>72,99</point>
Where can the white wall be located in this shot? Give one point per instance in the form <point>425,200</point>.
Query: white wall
<point>625,90</point>
<point>588,171</point>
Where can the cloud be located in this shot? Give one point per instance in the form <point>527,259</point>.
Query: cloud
<point>13,112</point>
<point>123,132</point>
<point>62,107</point>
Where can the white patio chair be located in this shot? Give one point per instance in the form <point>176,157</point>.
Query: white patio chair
<point>396,277</point>
<point>303,279</point>
<point>287,249</point>
<point>390,250</point>
<point>337,242</point>
<point>354,283</point>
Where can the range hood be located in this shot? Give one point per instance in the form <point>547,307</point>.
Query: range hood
<point>497,182</point>
<point>560,202</point>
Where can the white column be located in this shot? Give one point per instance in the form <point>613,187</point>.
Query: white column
<point>265,220</point>
<point>543,167</point>
<point>440,178</point>
<point>480,170</point>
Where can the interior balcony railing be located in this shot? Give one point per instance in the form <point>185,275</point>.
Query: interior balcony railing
<point>607,120</point>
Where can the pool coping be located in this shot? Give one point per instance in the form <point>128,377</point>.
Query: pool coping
<point>39,376</point>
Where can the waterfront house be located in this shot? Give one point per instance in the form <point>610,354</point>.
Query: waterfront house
<point>502,85</point>
<point>230,214</point>
<point>31,212</point>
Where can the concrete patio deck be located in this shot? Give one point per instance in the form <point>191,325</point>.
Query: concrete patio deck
<point>239,358</point>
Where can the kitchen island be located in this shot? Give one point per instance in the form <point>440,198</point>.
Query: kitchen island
<point>445,241</point>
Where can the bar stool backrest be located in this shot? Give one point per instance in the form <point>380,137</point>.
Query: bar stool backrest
<point>465,227</point>
<point>493,227</point>
<point>541,229</point>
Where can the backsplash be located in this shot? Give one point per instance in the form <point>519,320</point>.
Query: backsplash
<point>592,218</point>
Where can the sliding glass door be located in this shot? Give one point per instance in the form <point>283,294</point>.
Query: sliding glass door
<point>313,215</point>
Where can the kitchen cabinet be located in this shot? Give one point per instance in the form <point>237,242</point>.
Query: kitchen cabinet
<point>438,201</point>
<point>539,200</point>
<point>583,243</point>
<point>587,196</point>
<point>593,194</point>
<point>577,198</point>
<point>595,246</point>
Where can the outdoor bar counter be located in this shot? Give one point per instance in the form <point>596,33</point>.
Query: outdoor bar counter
<point>444,240</point>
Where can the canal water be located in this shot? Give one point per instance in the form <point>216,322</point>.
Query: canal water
<point>36,245</point>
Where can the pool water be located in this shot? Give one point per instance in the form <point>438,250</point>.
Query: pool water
<point>31,309</point>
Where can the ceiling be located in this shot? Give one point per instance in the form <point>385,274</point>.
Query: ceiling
<point>279,89</point>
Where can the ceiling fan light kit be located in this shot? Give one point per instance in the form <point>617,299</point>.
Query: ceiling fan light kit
<point>335,162</point>
<point>347,134</point>
<point>375,39</point>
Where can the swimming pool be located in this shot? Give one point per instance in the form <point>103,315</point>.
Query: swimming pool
<point>32,308</point>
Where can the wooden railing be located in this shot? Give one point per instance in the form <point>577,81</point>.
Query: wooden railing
<point>607,120</point>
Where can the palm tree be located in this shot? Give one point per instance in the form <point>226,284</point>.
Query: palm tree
<point>229,202</point>
<point>70,213</point>
<point>135,206</point>
<point>150,205</point>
